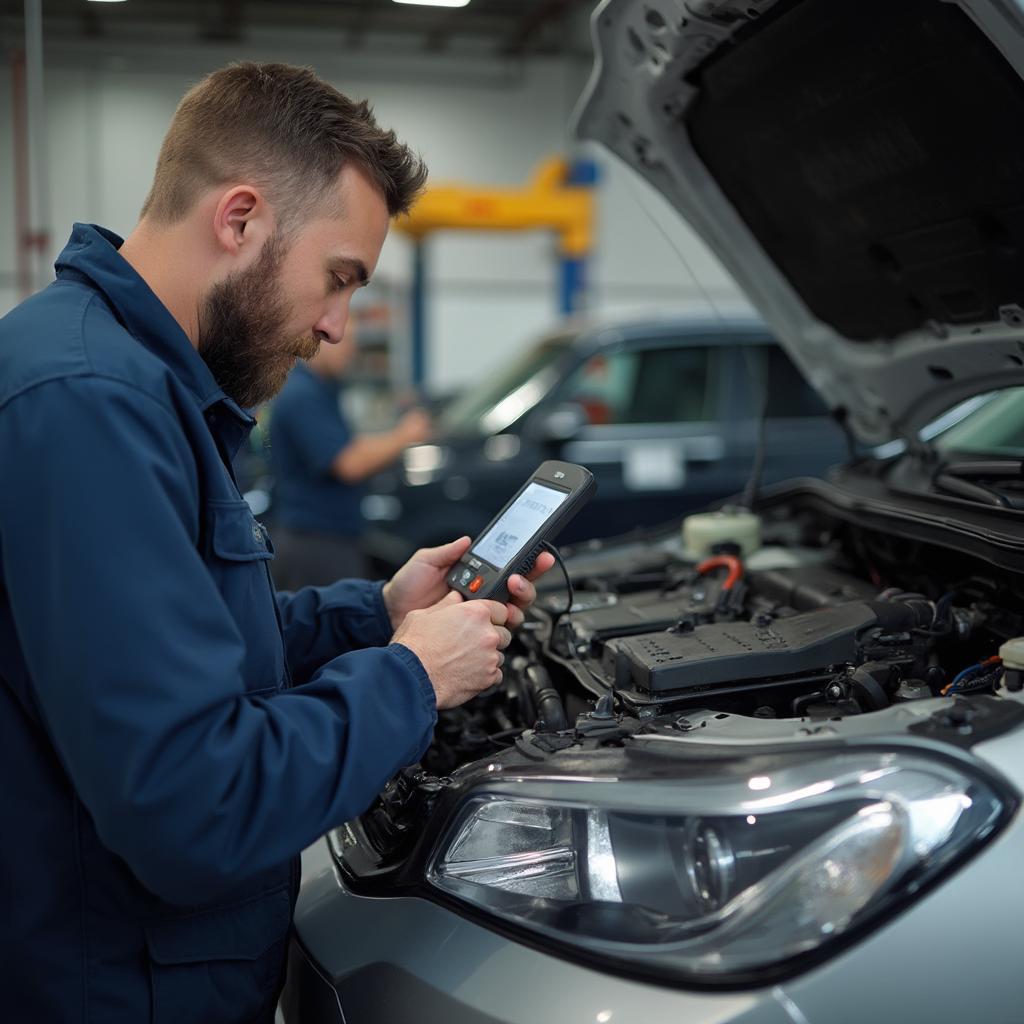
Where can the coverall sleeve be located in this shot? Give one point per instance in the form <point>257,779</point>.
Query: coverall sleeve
<point>322,622</point>
<point>136,660</point>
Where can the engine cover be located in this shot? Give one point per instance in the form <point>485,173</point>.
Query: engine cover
<point>641,613</point>
<point>733,652</point>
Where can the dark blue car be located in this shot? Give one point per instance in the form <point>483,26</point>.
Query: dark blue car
<point>665,411</point>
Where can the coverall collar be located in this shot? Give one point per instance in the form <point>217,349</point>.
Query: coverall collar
<point>92,254</point>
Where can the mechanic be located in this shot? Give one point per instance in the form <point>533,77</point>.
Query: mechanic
<point>319,465</point>
<point>173,732</point>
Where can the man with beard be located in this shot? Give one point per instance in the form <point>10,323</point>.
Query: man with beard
<point>173,731</point>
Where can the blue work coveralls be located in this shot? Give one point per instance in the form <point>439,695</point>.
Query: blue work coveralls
<point>172,732</point>
<point>307,431</point>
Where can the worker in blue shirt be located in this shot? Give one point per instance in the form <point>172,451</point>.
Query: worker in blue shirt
<point>319,465</point>
<point>172,732</point>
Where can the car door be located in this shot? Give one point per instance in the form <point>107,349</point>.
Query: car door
<point>652,435</point>
<point>801,439</point>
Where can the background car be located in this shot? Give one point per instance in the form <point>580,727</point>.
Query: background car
<point>665,412</point>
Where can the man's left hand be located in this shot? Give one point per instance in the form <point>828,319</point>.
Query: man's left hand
<point>421,582</point>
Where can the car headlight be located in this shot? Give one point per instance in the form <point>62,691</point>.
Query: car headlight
<point>715,879</point>
<point>424,462</point>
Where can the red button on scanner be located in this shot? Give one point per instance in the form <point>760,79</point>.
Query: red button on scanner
<point>477,583</point>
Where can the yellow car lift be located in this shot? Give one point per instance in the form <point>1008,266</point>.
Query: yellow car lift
<point>559,197</point>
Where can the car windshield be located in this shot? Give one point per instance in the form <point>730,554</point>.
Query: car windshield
<point>513,390</point>
<point>992,424</point>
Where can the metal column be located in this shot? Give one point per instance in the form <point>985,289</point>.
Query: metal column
<point>419,313</point>
<point>573,270</point>
<point>36,239</point>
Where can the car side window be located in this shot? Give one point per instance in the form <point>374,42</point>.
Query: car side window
<point>655,385</point>
<point>603,387</point>
<point>789,394</point>
<point>674,385</point>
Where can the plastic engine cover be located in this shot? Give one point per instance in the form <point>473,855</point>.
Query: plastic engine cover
<point>732,652</point>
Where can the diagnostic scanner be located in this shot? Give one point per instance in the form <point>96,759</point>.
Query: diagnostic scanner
<point>511,542</point>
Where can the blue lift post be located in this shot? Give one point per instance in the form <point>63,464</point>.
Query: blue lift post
<point>572,292</point>
<point>418,367</point>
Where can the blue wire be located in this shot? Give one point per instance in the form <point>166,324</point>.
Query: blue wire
<point>967,671</point>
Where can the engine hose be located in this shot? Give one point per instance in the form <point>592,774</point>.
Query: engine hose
<point>730,562</point>
<point>546,699</point>
<point>866,681</point>
<point>899,616</point>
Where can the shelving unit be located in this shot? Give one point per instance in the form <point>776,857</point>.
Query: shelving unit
<point>377,383</point>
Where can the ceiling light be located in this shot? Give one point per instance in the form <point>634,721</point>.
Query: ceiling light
<point>434,3</point>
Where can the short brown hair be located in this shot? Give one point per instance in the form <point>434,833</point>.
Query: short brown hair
<point>285,129</point>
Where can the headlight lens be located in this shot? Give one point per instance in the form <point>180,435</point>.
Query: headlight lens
<point>722,877</point>
<point>423,463</point>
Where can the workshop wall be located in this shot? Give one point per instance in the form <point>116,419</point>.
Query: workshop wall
<point>474,120</point>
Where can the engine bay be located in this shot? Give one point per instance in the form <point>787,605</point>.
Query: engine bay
<point>823,621</point>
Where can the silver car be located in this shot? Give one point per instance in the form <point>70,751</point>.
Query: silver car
<point>763,766</point>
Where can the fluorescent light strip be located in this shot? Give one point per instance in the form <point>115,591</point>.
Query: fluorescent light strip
<point>434,3</point>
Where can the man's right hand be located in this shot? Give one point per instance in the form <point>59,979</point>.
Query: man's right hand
<point>414,427</point>
<point>459,643</point>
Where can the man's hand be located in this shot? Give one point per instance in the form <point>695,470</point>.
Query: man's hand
<point>415,426</point>
<point>421,582</point>
<point>460,644</point>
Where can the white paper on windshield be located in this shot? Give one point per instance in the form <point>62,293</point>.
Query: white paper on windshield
<point>519,523</point>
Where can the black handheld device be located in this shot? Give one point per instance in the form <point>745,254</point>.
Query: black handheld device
<point>516,535</point>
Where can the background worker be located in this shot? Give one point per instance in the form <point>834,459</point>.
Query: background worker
<point>319,465</point>
<point>174,732</point>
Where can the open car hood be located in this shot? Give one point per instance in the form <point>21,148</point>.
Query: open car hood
<point>857,165</point>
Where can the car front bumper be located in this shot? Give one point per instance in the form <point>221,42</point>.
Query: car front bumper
<point>950,957</point>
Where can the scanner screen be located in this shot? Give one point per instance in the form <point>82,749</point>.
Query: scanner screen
<point>520,521</point>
